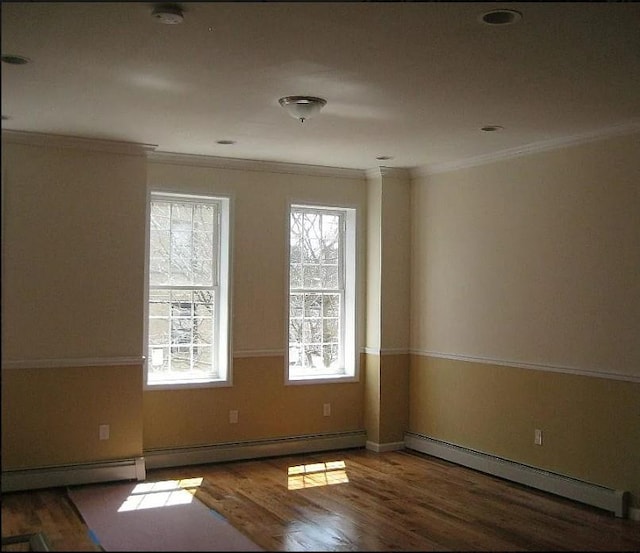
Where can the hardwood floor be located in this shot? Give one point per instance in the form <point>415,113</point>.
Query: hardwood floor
<point>357,500</point>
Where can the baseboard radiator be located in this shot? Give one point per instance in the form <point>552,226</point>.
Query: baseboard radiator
<point>234,451</point>
<point>71,475</point>
<point>608,499</point>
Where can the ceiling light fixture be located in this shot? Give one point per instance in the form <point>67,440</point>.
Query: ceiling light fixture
<point>168,14</point>
<point>384,158</point>
<point>500,17</point>
<point>302,107</point>
<point>225,142</point>
<point>491,128</point>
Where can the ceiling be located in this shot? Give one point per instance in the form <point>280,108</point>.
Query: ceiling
<point>411,80</point>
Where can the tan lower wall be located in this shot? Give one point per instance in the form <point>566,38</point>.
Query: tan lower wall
<point>386,408</point>
<point>590,426</point>
<point>51,416</point>
<point>266,408</point>
<point>394,398</point>
<point>372,397</point>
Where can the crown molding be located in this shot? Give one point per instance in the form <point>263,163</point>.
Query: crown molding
<point>392,172</point>
<point>239,164</point>
<point>78,142</point>
<point>629,127</point>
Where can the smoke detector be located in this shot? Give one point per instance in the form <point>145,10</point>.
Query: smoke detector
<point>169,15</point>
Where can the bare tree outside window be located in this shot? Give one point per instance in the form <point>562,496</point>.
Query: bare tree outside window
<point>316,290</point>
<point>184,238</point>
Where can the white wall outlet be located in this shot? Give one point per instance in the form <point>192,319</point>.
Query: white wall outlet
<point>233,416</point>
<point>326,410</point>
<point>103,431</point>
<point>537,436</point>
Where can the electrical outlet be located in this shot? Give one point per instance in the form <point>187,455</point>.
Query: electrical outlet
<point>326,410</point>
<point>233,416</point>
<point>537,436</point>
<point>103,431</point>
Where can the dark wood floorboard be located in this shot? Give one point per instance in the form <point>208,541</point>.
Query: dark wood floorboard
<point>393,501</point>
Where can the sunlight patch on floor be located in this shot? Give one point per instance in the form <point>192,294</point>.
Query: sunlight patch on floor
<point>166,493</point>
<point>316,474</point>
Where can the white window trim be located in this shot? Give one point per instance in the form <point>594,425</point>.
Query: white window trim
<point>351,350</point>
<point>223,305</point>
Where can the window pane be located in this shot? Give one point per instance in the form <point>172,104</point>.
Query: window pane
<point>331,305</point>
<point>330,355</point>
<point>312,305</point>
<point>159,359</point>
<point>159,330</point>
<point>181,257</point>
<point>181,217</point>
<point>203,215</point>
<point>312,276</point>
<point>295,356</point>
<point>295,275</point>
<point>181,358</point>
<point>315,263</point>
<point>329,277</point>
<point>330,331</point>
<point>160,216</point>
<point>184,252</point>
<point>296,304</point>
<point>203,358</point>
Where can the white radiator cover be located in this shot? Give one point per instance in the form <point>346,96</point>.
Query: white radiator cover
<point>235,451</point>
<point>565,486</point>
<point>71,475</point>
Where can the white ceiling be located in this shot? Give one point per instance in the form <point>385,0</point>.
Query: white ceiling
<point>412,80</point>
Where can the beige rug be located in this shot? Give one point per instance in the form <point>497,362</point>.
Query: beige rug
<point>155,516</point>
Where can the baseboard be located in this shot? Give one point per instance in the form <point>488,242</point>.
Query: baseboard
<point>380,448</point>
<point>176,457</point>
<point>571,488</point>
<point>71,475</point>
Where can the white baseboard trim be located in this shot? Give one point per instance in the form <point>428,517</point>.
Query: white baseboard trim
<point>571,488</point>
<point>380,448</point>
<point>634,513</point>
<point>71,475</point>
<point>176,457</point>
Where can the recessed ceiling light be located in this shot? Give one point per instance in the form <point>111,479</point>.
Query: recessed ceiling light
<point>225,142</point>
<point>15,60</point>
<point>384,158</point>
<point>168,14</point>
<point>501,17</point>
<point>491,128</point>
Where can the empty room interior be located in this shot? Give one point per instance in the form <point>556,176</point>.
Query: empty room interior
<point>238,232</point>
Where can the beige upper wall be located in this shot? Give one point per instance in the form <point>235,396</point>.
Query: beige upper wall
<point>73,252</point>
<point>533,260</point>
<point>374,260</point>
<point>388,259</point>
<point>259,226</point>
<point>396,260</point>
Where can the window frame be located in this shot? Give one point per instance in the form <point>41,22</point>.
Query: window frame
<point>221,347</point>
<point>348,346</point>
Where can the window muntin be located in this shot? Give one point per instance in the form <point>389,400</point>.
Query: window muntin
<point>186,330</point>
<point>320,293</point>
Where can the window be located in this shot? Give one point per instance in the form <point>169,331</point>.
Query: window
<point>321,314</point>
<point>187,334</point>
